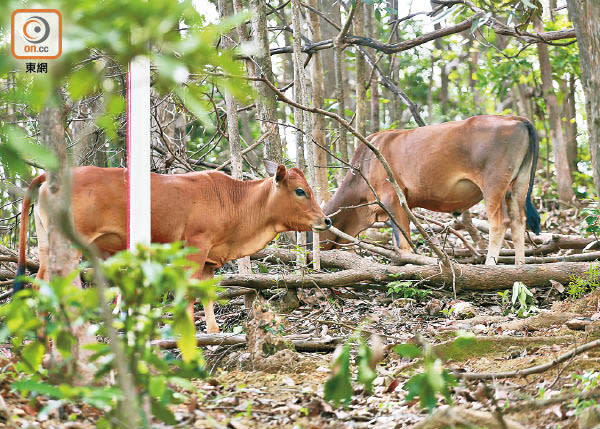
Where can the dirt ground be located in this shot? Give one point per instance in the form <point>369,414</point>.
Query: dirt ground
<point>290,394</point>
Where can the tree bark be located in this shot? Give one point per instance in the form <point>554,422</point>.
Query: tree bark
<point>63,258</point>
<point>340,95</point>
<point>561,163</point>
<point>361,75</point>
<point>300,344</point>
<point>585,15</point>
<point>467,277</point>
<point>266,104</point>
<point>86,149</point>
<point>235,148</point>
<point>568,121</point>
<point>371,30</point>
<point>318,125</point>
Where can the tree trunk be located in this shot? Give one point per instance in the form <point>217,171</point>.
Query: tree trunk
<point>568,121</point>
<point>266,104</point>
<point>340,95</point>
<point>233,132</point>
<point>322,188</point>
<point>361,75</point>
<point>585,15</point>
<point>86,137</point>
<point>371,29</point>
<point>561,162</point>
<point>63,257</point>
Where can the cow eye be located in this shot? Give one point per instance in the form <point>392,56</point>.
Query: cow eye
<point>300,192</point>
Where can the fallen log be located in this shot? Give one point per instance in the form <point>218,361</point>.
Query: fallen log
<point>358,270</point>
<point>577,257</point>
<point>300,344</point>
<point>30,264</point>
<point>562,241</point>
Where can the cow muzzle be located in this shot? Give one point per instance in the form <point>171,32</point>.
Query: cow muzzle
<point>324,225</point>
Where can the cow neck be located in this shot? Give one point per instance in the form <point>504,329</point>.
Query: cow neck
<point>344,197</point>
<point>250,200</point>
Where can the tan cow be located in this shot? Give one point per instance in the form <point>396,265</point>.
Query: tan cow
<point>447,167</point>
<point>222,217</point>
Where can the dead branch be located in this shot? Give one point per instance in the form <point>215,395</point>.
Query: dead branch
<point>396,257</point>
<point>300,344</point>
<point>357,270</point>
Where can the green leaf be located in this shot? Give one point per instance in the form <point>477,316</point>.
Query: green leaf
<point>82,82</point>
<point>185,328</point>
<point>163,413</point>
<point>408,350</point>
<point>65,343</point>
<point>32,354</point>
<point>366,374</point>
<point>338,388</point>
<point>157,385</point>
<point>35,386</point>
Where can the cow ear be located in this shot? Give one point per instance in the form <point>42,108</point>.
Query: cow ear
<point>270,166</point>
<point>281,173</point>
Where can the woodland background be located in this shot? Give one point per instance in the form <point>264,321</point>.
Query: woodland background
<point>235,82</point>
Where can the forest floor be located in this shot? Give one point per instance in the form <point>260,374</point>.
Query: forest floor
<point>289,392</point>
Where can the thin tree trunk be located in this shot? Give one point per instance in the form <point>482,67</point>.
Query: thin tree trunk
<point>266,112</point>
<point>361,75</point>
<point>322,185</point>
<point>585,15</point>
<point>340,95</point>
<point>569,133</point>
<point>561,163</point>
<point>235,147</point>
<point>371,29</point>
<point>85,150</point>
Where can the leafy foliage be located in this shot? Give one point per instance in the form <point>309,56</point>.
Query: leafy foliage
<point>338,387</point>
<point>435,379</point>
<point>405,290</point>
<point>579,286</point>
<point>154,283</point>
<point>522,296</point>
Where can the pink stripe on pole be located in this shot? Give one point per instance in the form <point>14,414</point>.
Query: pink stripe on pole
<point>128,155</point>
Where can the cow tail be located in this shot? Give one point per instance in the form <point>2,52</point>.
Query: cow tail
<point>21,262</point>
<point>533,217</point>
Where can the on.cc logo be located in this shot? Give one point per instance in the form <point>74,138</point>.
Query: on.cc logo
<point>36,29</point>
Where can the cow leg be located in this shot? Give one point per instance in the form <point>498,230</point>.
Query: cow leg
<point>495,206</point>
<point>515,200</point>
<point>516,214</point>
<point>400,242</point>
<point>203,272</point>
<point>209,308</point>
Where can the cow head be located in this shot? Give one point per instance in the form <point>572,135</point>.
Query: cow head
<point>293,201</point>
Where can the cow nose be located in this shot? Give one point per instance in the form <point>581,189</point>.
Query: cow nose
<point>327,222</point>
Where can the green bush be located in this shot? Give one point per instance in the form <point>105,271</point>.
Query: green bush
<point>154,284</point>
<point>579,286</point>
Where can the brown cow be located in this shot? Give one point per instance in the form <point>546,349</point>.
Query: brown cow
<point>223,218</point>
<point>447,167</point>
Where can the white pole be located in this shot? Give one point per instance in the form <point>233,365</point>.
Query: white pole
<point>138,152</point>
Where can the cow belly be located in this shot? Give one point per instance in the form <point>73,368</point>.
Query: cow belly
<point>462,195</point>
<point>110,243</point>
